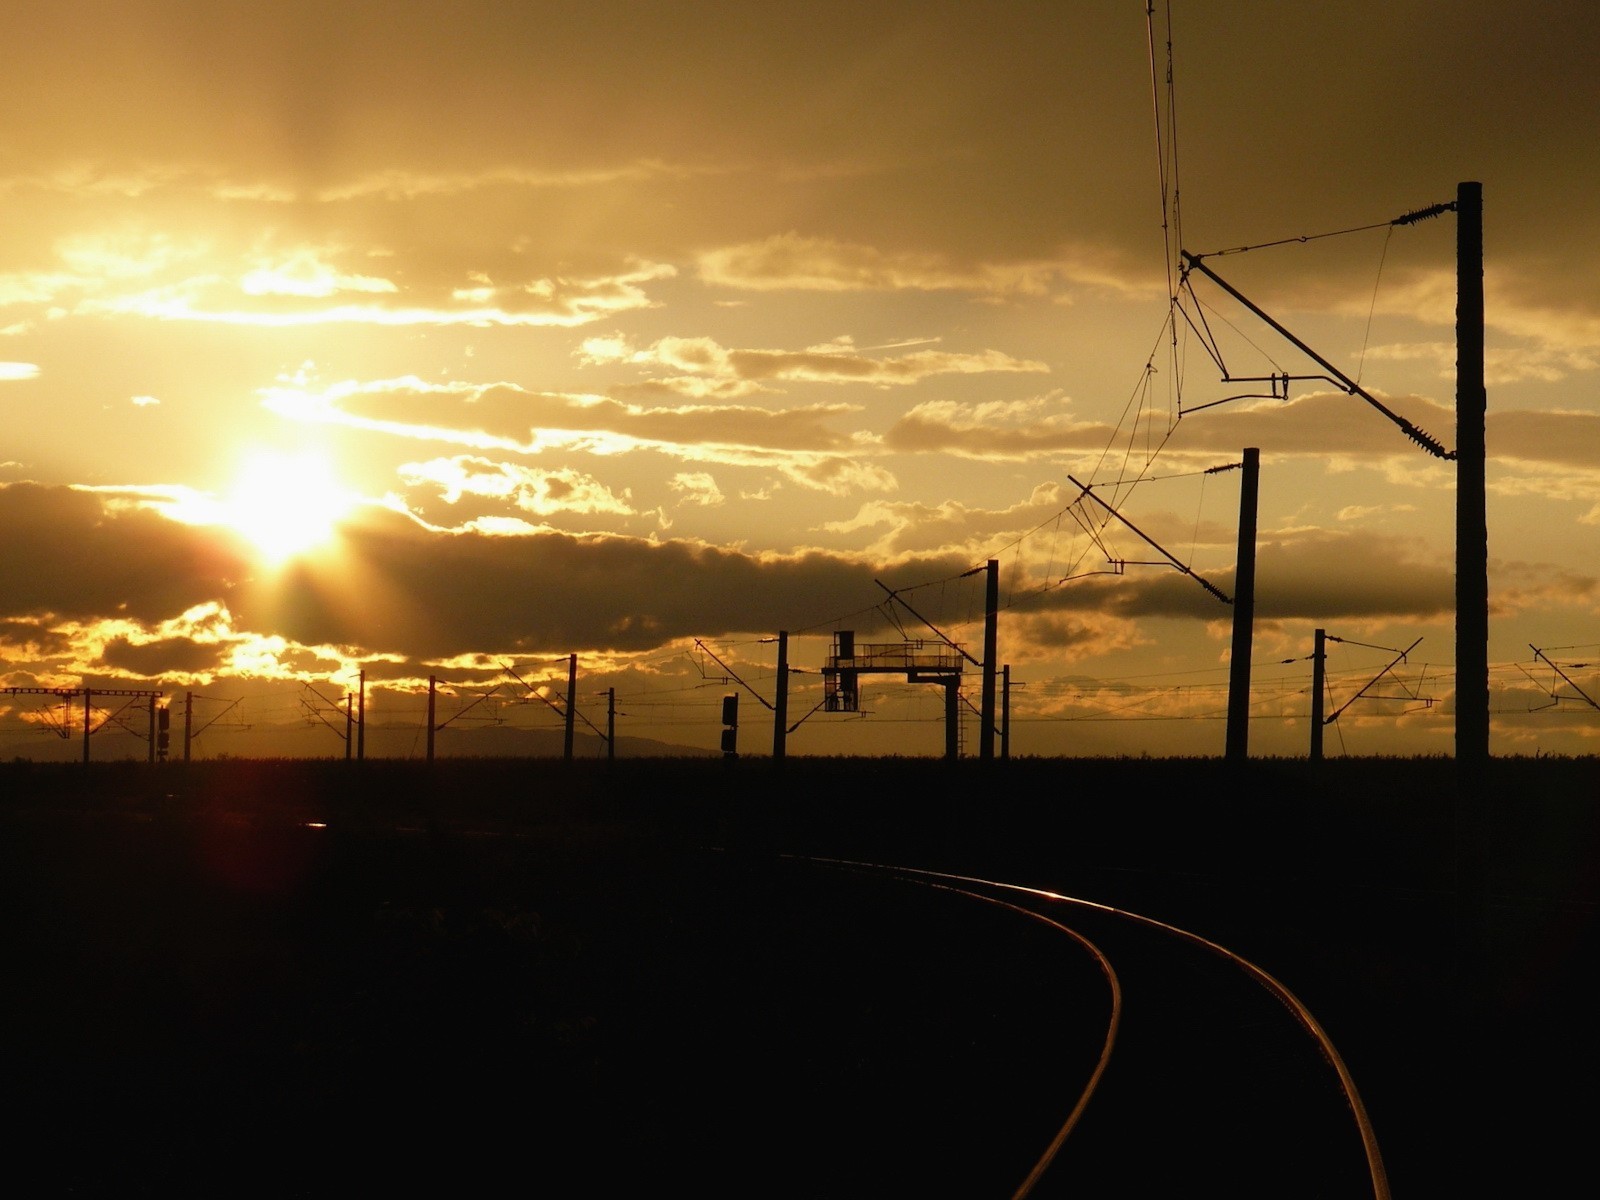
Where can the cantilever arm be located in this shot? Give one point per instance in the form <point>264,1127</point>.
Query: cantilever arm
<point>1431,444</point>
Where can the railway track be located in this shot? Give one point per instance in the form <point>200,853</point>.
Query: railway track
<point>570,1000</point>
<point>1213,1075</point>
<point>962,1037</point>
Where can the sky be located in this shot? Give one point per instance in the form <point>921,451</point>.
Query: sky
<point>520,348</point>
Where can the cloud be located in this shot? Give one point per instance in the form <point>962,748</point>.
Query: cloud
<point>835,362</point>
<point>399,588</point>
<point>504,416</point>
<point>304,292</point>
<point>697,488</point>
<point>74,555</point>
<point>540,492</point>
<point>1569,439</point>
<point>794,442</point>
<point>167,656</point>
<point>1016,430</point>
<point>792,262</point>
<point>1316,575</point>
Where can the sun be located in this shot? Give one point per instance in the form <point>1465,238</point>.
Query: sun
<point>287,505</point>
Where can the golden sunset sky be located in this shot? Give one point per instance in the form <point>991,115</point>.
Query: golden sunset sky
<point>453,340</point>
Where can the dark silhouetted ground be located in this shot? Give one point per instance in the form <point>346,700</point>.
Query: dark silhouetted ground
<point>300,978</point>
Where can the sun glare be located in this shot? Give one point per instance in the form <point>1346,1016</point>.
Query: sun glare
<point>287,504</point>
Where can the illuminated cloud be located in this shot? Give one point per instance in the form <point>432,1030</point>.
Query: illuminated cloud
<point>399,184</point>
<point>129,586</point>
<point>309,274</point>
<point>541,492</point>
<point>793,442</point>
<point>1014,429</point>
<point>303,293</point>
<point>790,261</point>
<point>697,488</point>
<point>835,362</point>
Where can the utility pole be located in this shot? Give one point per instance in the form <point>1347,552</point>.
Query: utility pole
<point>361,722</point>
<point>1244,611</point>
<point>1472,530</point>
<point>780,708</point>
<point>991,621</point>
<point>151,755</point>
<point>349,728</point>
<point>433,687</point>
<point>1005,714</point>
<point>1319,682</point>
<point>952,718</point>
<point>88,721</point>
<point>572,696</point>
<point>188,723</point>
<point>1470,821</point>
<point>611,723</point>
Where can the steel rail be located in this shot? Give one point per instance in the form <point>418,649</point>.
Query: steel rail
<point>1031,1180</point>
<point>1303,1016</point>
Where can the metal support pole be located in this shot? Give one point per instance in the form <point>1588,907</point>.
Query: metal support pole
<point>1472,845</point>
<point>1319,678</point>
<point>88,711</point>
<point>188,723</point>
<point>1244,611</point>
<point>780,709</point>
<point>991,620</point>
<point>952,718</point>
<point>611,723</point>
<point>433,689</point>
<point>1472,530</point>
<point>361,721</point>
<point>572,697</point>
<point>1005,713</point>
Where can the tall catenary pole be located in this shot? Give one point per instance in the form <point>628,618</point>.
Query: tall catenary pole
<point>361,720</point>
<point>1319,676</point>
<point>1005,712</point>
<point>1244,611</point>
<point>188,723</point>
<point>1472,528</point>
<point>88,712</point>
<point>780,707</point>
<point>952,719</point>
<point>572,696</point>
<point>433,689</point>
<point>1472,617</point>
<point>991,622</point>
<point>611,723</point>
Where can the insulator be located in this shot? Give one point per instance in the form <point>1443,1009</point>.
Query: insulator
<point>1423,214</point>
<point>1430,444</point>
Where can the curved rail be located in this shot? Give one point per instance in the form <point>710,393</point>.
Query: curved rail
<point>1347,1084</point>
<point>1026,1187</point>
